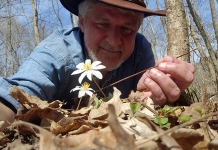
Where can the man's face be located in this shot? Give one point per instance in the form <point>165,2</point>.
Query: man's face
<point>109,34</point>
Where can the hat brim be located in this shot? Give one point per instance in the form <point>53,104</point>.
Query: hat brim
<point>72,6</point>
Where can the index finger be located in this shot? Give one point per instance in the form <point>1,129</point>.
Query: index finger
<point>171,59</point>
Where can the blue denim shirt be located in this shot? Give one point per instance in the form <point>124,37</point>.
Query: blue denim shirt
<point>46,73</point>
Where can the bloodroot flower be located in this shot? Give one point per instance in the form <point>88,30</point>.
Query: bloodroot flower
<point>84,89</point>
<point>88,69</point>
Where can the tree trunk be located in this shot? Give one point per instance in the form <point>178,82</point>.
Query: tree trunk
<point>201,30</point>
<point>153,44</point>
<point>208,61</point>
<point>214,18</point>
<point>56,12</point>
<point>162,18</point>
<point>177,31</point>
<point>35,23</point>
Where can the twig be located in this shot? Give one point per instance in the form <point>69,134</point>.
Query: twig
<point>149,108</point>
<point>140,142</point>
<point>139,73</point>
<point>99,87</point>
<point>169,141</point>
<point>186,53</point>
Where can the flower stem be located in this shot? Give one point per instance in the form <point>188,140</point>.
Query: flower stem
<point>99,87</point>
<point>79,103</point>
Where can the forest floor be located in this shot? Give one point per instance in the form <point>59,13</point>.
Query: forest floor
<point>119,124</point>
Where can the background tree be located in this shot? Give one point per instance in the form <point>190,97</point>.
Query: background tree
<point>203,34</point>
<point>177,31</point>
<point>35,22</point>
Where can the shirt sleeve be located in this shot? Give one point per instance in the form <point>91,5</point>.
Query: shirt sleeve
<point>39,75</point>
<point>46,71</point>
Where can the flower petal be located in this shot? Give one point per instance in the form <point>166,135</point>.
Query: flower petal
<point>76,88</point>
<point>89,93</point>
<point>77,72</point>
<point>81,93</point>
<point>90,89</point>
<point>95,63</point>
<point>88,61</point>
<point>80,66</point>
<point>97,74</point>
<point>99,67</point>
<point>89,74</point>
<point>82,76</point>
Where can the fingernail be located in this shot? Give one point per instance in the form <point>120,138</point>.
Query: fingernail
<point>154,72</point>
<point>147,80</point>
<point>162,66</point>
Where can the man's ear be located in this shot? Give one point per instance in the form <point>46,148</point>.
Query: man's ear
<point>81,22</point>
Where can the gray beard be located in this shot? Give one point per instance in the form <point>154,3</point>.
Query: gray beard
<point>108,68</point>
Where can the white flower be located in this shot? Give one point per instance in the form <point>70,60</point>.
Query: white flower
<point>84,89</point>
<point>89,69</point>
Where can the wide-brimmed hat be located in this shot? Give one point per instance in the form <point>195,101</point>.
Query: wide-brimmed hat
<point>135,5</point>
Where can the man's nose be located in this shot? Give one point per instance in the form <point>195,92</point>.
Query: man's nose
<point>114,37</point>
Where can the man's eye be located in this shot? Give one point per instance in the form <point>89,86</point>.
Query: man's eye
<point>102,25</point>
<point>127,30</point>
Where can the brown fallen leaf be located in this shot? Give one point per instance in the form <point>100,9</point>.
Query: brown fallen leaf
<point>3,138</point>
<point>27,100</point>
<point>166,139</point>
<point>183,133</point>
<point>189,138</point>
<point>123,138</point>
<point>104,136</point>
<point>81,112</point>
<point>135,127</point>
<point>103,109</point>
<point>36,115</point>
<point>48,141</point>
<point>213,144</point>
<point>80,130</point>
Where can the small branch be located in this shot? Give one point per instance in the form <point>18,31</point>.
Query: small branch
<point>143,141</point>
<point>99,87</point>
<point>139,73</point>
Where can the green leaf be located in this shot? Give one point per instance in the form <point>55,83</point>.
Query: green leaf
<point>184,118</point>
<point>161,120</point>
<point>110,96</point>
<point>173,109</point>
<point>201,112</point>
<point>97,102</point>
<point>164,109</point>
<point>166,125</point>
<point>106,99</point>
<point>134,107</point>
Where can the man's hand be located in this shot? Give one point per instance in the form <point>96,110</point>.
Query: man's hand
<point>165,82</point>
<point>6,115</point>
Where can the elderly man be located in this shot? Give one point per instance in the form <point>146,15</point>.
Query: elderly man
<point>107,32</point>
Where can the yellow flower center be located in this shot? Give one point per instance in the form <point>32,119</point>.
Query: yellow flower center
<point>87,66</point>
<point>85,85</point>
